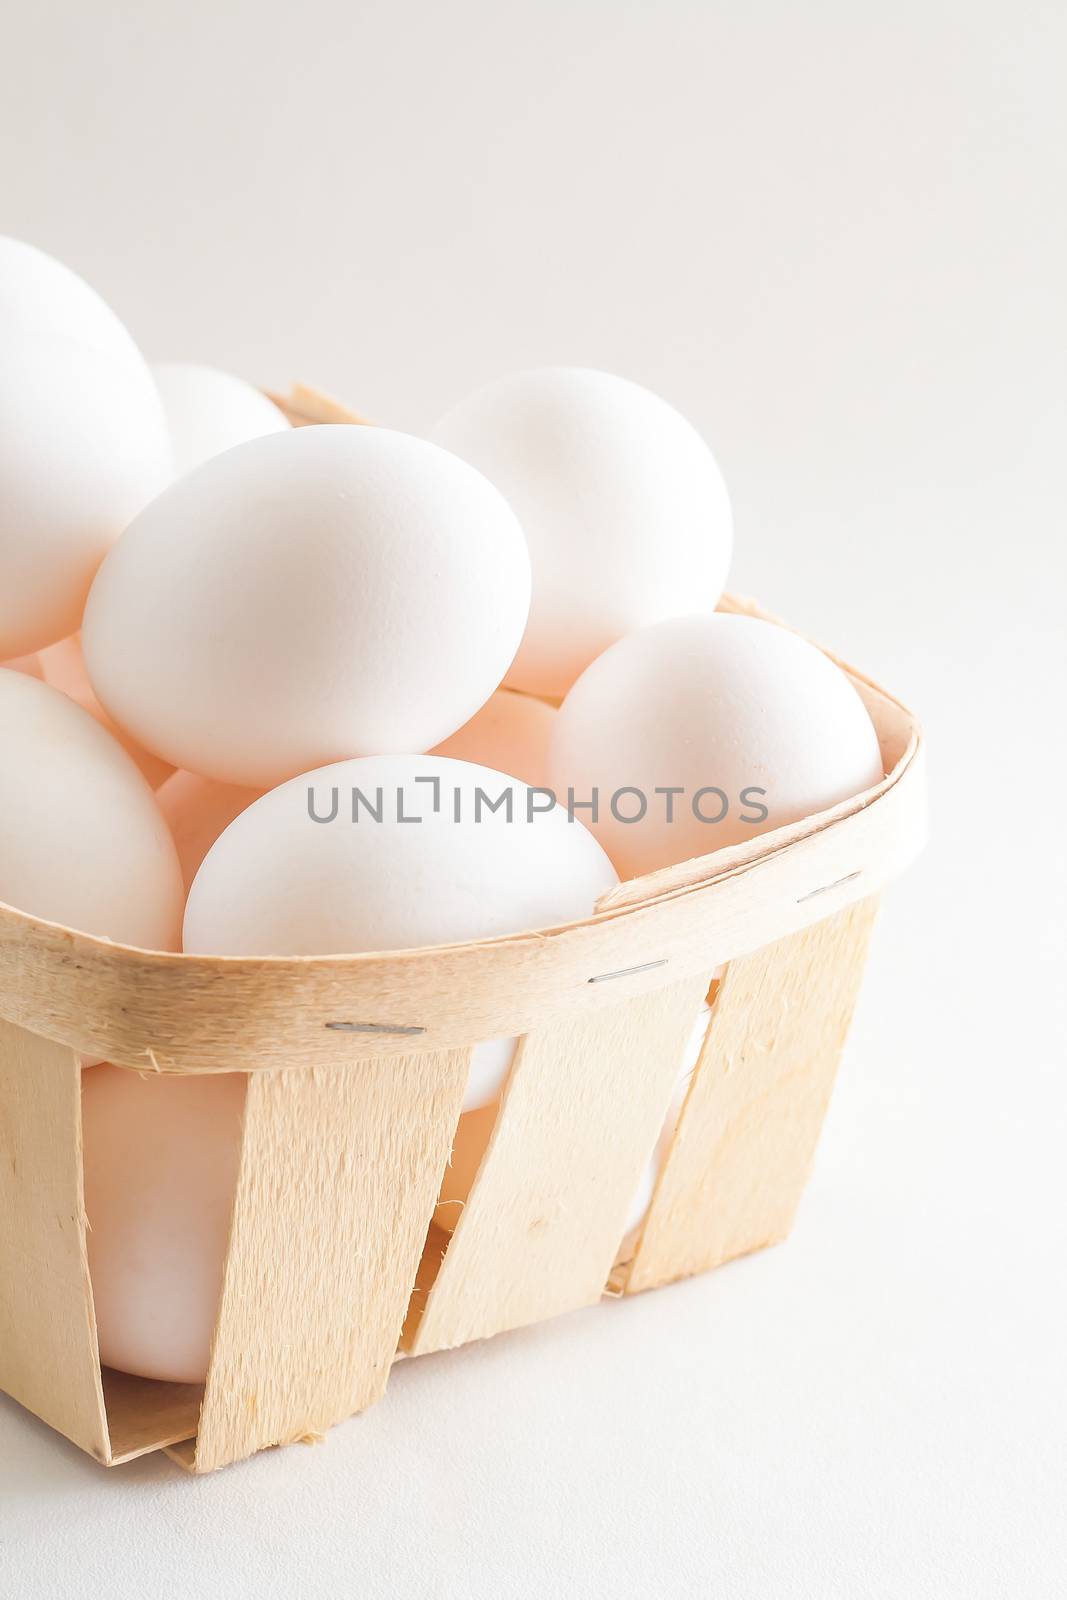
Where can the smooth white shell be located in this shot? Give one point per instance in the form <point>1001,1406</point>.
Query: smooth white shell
<point>643,1198</point>
<point>82,840</point>
<point>38,294</point>
<point>700,703</point>
<point>510,734</point>
<point>622,503</point>
<point>317,594</point>
<point>83,447</point>
<point>161,1159</point>
<point>63,666</point>
<point>209,411</point>
<point>279,883</point>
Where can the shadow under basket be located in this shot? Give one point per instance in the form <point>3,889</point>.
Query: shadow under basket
<point>357,1067</point>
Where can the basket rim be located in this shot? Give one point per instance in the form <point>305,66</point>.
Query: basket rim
<point>621,901</point>
<point>179,1012</point>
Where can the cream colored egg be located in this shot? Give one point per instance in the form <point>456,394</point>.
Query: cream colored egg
<point>63,666</point>
<point>510,734</point>
<point>622,503</point>
<point>316,594</point>
<point>38,294</point>
<point>198,810</point>
<point>161,1160</point>
<point>209,411</point>
<point>749,725</point>
<point>294,874</point>
<point>83,447</point>
<point>82,840</point>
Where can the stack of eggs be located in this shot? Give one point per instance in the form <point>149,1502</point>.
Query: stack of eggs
<point>232,638</point>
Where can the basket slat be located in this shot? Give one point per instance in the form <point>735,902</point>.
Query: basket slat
<point>580,1115</point>
<point>340,1170</point>
<point>48,1348</point>
<point>746,1138</point>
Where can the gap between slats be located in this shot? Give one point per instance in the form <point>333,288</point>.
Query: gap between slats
<point>543,1220</point>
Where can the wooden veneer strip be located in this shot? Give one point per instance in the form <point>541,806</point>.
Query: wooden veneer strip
<point>48,1348</point>
<point>340,1170</point>
<point>747,1134</point>
<point>581,1112</point>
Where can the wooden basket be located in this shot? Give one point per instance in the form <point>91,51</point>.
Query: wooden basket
<point>357,1069</point>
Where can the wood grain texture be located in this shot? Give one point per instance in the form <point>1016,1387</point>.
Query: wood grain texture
<point>746,1137</point>
<point>340,1169</point>
<point>48,1350</point>
<point>143,1415</point>
<point>183,1453</point>
<point>580,1115</point>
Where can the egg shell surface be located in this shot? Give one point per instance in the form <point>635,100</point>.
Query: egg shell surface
<point>63,666</point>
<point>278,882</point>
<point>622,503</point>
<point>698,704</point>
<point>38,294</point>
<point>30,665</point>
<point>316,594</point>
<point>209,411</point>
<point>161,1156</point>
<point>82,840</point>
<point>83,447</point>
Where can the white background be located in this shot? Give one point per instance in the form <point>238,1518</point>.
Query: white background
<point>833,234</point>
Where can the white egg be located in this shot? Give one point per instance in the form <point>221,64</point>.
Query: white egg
<point>295,875</point>
<point>82,840</point>
<point>198,810</point>
<point>38,294</point>
<point>316,594</point>
<point>209,411</point>
<point>622,503</point>
<point>751,726</point>
<point>490,1064</point>
<point>83,447</point>
<point>63,666</point>
<point>161,1162</point>
<point>510,734</point>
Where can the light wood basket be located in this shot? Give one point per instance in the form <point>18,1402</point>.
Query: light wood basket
<point>357,1066</point>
